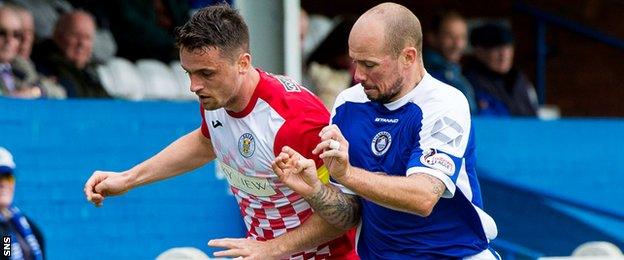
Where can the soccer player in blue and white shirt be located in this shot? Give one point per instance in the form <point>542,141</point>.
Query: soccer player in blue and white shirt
<point>402,142</point>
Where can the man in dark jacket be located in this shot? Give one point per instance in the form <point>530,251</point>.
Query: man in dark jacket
<point>67,56</point>
<point>447,41</point>
<point>500,89</point>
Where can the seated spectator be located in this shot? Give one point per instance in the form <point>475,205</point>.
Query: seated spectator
<point>447,41</point>
<point>104,45</point>
<point>144,29</point>
<point>46,14</point>
<point>22,61</point>
<point>13,79</point>
<point>500,89</point>
<point>67,56</point>
<point>26,239</point>
<point>28,31</point>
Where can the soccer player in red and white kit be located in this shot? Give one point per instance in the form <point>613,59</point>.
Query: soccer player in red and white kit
<point>248,115</point>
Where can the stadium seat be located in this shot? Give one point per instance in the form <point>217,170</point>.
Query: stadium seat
<point>159,81</point>
<point>183,81</point>
<point>106,78</point>
<point>598,249</point>
<point>123,79</point>
<point>177,253</point>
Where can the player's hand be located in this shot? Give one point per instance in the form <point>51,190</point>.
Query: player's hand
<point>296,172</point>
<point>334,150</point>
<point>103,184</point>
<point>245,248</point>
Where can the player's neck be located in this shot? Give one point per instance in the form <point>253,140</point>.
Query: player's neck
<point>246,91</point>
<point>411,81</point>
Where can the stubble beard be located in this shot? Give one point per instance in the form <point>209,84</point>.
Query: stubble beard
<point>394,91</point>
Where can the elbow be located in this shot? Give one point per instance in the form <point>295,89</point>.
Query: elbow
<point>425,212</point>
<point>424,207</point>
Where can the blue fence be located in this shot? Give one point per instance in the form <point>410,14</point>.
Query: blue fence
<point>58,144</point>
<point>550,185</point>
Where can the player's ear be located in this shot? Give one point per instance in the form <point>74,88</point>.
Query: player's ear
<point>409,56</point>
<point>244,62</point>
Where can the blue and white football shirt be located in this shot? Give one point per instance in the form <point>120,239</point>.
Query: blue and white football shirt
<point>428,131</point>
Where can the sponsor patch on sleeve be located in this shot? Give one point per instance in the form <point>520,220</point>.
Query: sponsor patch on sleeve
<point>288,83</point>
<point>439,161</point>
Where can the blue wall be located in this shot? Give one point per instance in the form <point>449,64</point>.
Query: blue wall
<point>552,185</point>
<point>542,181</point>
<point>58,144</point>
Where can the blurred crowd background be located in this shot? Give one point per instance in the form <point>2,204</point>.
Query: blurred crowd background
<point>510,58</point>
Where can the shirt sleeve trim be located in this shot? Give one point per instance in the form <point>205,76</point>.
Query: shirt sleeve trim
<point>449,192</point>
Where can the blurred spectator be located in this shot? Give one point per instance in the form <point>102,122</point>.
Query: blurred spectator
<point>500,89</point>
<point>447,41</point>
<point>28,31</point>
<point>329,67</point>
<point>48,87</point>
<point>27,241</point>
<point>144,28</point>
<point>104,45</point>
<point>67,56</point>
<point>46,13</point>
<point>13,79</point>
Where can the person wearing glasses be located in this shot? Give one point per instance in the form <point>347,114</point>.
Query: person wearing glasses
<point>13,79</point>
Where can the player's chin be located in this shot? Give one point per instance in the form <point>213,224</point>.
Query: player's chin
<point>372,95</point>
<point>209,103</point>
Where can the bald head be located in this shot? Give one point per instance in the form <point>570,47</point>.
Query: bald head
<point>399,25</point>
<point>73,34</point>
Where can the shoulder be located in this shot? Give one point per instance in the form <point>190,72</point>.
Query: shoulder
<point>287,97</point>
<point>353,94</point>
<point>445,117</point>
<point>437,95</point>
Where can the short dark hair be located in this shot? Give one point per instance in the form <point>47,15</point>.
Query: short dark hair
<point>218,26</point>
<point>441,17</point>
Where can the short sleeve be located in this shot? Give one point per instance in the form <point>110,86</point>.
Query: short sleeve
<point>301,133</point>
<point>444,138</point>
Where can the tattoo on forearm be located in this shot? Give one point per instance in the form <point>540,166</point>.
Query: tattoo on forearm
<point>437,187</point>
<point>338,209</point>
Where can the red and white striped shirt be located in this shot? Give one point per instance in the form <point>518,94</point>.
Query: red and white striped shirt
<point>280,113</point>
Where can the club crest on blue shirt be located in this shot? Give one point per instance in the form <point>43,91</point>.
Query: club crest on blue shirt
<point>381,143</point>
<point>439,161</point>
<point>246,145</point>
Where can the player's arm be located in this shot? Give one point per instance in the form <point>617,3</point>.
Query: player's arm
<point>338,209</point>
<point>313,232</point>
<point>417,193</point>
<point>187,153</point>
<point>300,174</point>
